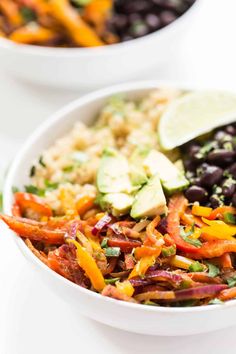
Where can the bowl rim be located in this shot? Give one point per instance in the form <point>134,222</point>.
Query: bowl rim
<point>104,50</point>
<point>48,124</point>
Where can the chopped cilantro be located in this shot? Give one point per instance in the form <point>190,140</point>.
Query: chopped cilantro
<point>34,190</point>
<point>68,169</point>
<point>186,237</point>
<point>27,14</point>
<point>231,281</point>
<point>168,251</point>
<point>50,185</point>
<point>112,280</point>
<point>213,270</point>
<point>32,171</point>
<point>41,162</point>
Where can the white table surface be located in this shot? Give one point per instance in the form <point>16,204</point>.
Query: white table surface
<point>32,319</point>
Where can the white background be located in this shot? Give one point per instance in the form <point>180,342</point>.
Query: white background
<point>32,319</point>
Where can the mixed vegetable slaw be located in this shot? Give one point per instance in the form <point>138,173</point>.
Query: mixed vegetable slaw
<point>132,233</point>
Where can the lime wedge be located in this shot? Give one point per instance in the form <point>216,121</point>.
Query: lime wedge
<point>194,114</point>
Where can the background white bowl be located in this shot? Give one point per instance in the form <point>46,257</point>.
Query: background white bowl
<point>126,316</point>
<point>93,67</point>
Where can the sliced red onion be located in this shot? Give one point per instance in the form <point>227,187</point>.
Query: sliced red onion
<point>200,292</point>
<point>136,281</point>
<point>124,244</point>
<point>103,222</point>
<point>163,275</point>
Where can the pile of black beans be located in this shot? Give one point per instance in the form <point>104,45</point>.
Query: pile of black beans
<point>137,18</point>
<point>210,167</point>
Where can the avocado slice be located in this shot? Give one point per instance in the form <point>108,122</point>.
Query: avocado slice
<point>172,179</point>
<point>113,173</point>
<point>150,200</point>
<point>137,173</point>
<point>117,203</point>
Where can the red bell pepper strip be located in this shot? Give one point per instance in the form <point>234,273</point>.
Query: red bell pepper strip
<point>125,245</point>
<point>31,201</point>
<point>33,230</point>
<point>212,249</point>
<point>177,206</point>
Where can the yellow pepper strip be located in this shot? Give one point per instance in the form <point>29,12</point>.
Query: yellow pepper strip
<point>219,229</point>
<point>125,287</point>
<point>99,216</point>
<point>181,262</point>
<point>85,242</point>
<point>88,264</point>
<point>67,202</point>
<point>84,204</point>
<point>32,34</point>
<point>201,211</point>
<point>81,33</point>
<point>10,10</point>
<point>97,11</point>
<point>142,266</point>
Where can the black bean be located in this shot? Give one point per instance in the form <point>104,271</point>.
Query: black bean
<point>214,201</point>
<point>167,17</point>
<point>196,194</point>
<point>232,170</point>
<point>219,135</point>
<point>211,175</point>
<point>189,165</point>
<point>228,188</point>
<point>153,21</point>
<point>193,150</point>
<point>221,157</point>
<point>139,29</point>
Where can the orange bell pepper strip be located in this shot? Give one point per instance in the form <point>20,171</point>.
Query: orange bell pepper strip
<point>146,251</point>
<point>81,33</point>
<point>32,34</point>
<point>84,204</point>
<point>226,261</point>
<point>219,212</point>
<point>31,201</point>
<point>212,249</point>
<point>10,9</point>
<point>153,236</point>
<point>88,264</point>
<point>176,207</point>
<point>33,230</point>
<point>227,294</point>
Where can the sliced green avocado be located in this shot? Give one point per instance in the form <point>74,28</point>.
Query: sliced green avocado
<point>117,203</point>
<point>113,173</point>
<point>150,200</point>
<point>137,173</point>
<point>172,179</point>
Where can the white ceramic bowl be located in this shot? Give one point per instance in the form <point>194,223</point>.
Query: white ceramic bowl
<point>126,316</point>
<point>93,67</point>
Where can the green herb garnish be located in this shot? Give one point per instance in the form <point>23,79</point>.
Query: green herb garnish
<point>27,14</point>
<point>150,303</point>
<point>196,267</point>
<point>51,185</point>
<point>112,280</point>
<point>41,162</point>
<point>68,169</point>
<point>32,171</point>
<point>112,251</point>
<point>213,270</point>
<point>186,237</point>
<point>231,281</point>
<point>1,201</point>
<point>34,190</point>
